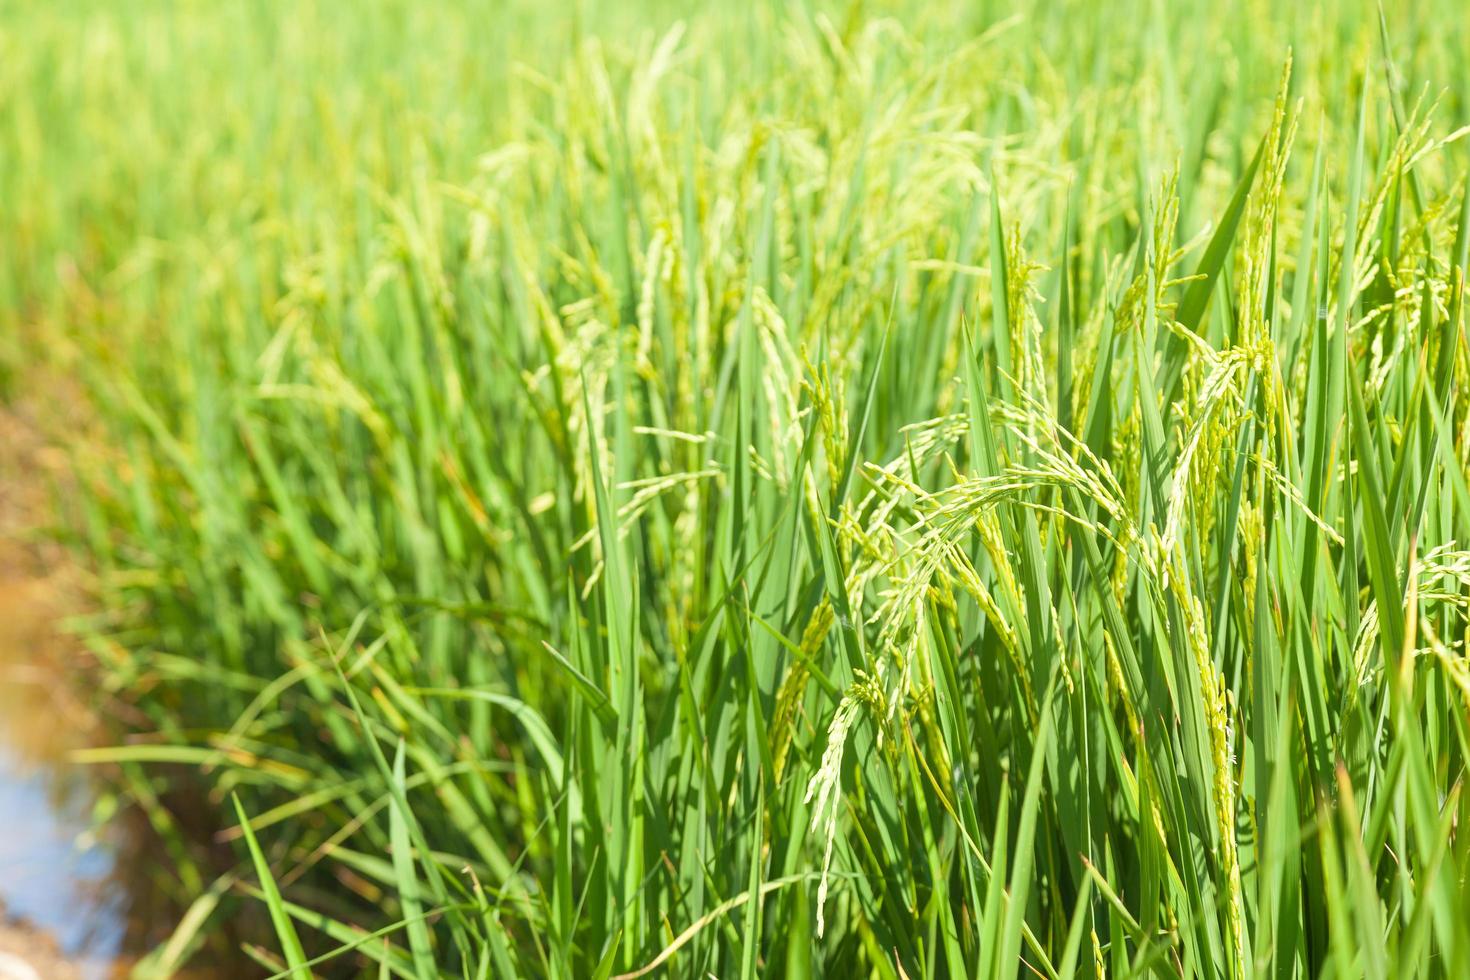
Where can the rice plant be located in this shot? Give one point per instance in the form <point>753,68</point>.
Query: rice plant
<point>878,489</point>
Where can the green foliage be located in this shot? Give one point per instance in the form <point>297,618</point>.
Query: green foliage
<point>883,489</point>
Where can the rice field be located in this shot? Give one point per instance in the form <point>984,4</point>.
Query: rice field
<point>872,489</point>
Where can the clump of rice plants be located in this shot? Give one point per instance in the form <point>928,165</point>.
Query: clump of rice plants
<point>850,489</point>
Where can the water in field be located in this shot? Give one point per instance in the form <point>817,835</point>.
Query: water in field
<point>52,875</point>
<point>55,876</point>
